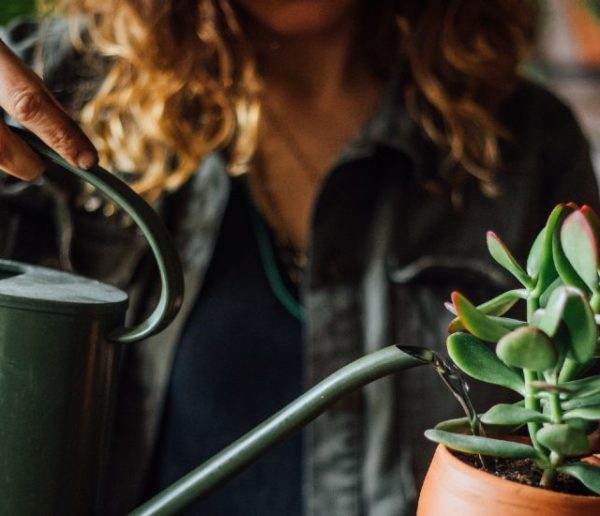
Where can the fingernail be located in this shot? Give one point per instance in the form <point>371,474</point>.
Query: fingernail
<point>86,159</point>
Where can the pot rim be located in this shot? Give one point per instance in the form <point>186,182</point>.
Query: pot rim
<point>445,454</point>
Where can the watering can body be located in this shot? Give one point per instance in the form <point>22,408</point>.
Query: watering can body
<point>57,380</point>
<point>60,340</point>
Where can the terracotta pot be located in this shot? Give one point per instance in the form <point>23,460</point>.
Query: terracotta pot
<point>452,487</point>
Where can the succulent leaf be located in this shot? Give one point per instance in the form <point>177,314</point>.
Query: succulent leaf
<point>585,425</point>
<point>504,257</point>
<point>587,401</point>
<point>506,322</point>
<point>536,253</point>
<point>553,313</point>
<point>587,474</point>
<point>482,445</point>
<point>547,271</point>
<point>546,294</point>
<point>566,271</point>
<point>563,439</point>
<point>593,219</point>
<point>474,358</point>
<point>589,413</point>
<point>580,322</point>
<point>583,386</point>
<point>475,321</point>
<point>580,245</point>
<point>505,414</point>
<point>459,424</point>
<point>527,348</point>
<point>496,306</point>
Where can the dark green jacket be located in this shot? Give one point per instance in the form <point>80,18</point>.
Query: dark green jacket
<point>384,255</point>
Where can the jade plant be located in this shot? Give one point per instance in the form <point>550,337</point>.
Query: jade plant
<point>550,359</point>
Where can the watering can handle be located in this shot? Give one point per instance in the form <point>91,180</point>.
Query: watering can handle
<point>153,229</point>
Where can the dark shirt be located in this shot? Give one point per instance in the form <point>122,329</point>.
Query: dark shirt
<point>238,362</point>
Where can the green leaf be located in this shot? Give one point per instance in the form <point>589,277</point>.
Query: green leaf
<point>534,259</point>
<point>589,413</point>
<point>505,414</point>
<point>565,270</point>
<point>506,322</point>
<point>475,321</point>
<point>584,385</point>
<point>462,425</point>
<point>496,306</point>
<point>527,348</point>
<point>459,424</point>
<point>545,297</point>
<point>579,319</point>
<point>503,256</point>
<point>587,401</point>
<point>587,474</point>
<point>482,445</point>
<point>585,425</point>
<point>553,313</point>
<point>547,271</point>
<point>474,358</point>
<point>592,218</point>
<point>580,246</point>
<point>563,439</point>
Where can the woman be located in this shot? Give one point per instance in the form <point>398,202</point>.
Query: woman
<point>375,141</point>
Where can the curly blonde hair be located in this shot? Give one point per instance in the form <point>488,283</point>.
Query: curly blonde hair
<point>167,100</point>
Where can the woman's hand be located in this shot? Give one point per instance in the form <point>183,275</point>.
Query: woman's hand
<point>25,98</point>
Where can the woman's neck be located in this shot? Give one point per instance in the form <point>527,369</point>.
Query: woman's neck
<point>317,94</point>
<point>312,67</point>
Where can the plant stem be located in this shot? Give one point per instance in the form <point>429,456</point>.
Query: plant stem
<point>531,402</point>
<point>556,459</point>
<point>529,376</point>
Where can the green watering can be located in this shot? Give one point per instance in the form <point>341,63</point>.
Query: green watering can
<point>60,340</point>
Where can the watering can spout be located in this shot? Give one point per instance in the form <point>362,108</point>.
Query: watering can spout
<point>298,413</point>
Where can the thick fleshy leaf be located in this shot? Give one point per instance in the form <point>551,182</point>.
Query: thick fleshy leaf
<point>580,245</point>
<point>477,360</point>
<point>587,474</point>
<point>553,313</point>
<point>459,424</point>
<point>504,257</point>
<point>563,439</point>
<point>579,320</point>
<point>593,219</point>
<point>544,298</point>
<point>475,321</point>
<point>496,306</point>
<point>482,445</point>
<point>585,425</point>
<point>506,322</point>
<point>536,253</point>
<point>589,413</point>
<point>587,401</point>
<point>566,271</point>
<point>584,385</point>
<point>527,348</point>
<point>462,425</point>
<point>547,272</point>
<point>505,414</point>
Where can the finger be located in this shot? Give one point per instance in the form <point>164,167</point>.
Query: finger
<point>25,99</point>
<point>16,157</point>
